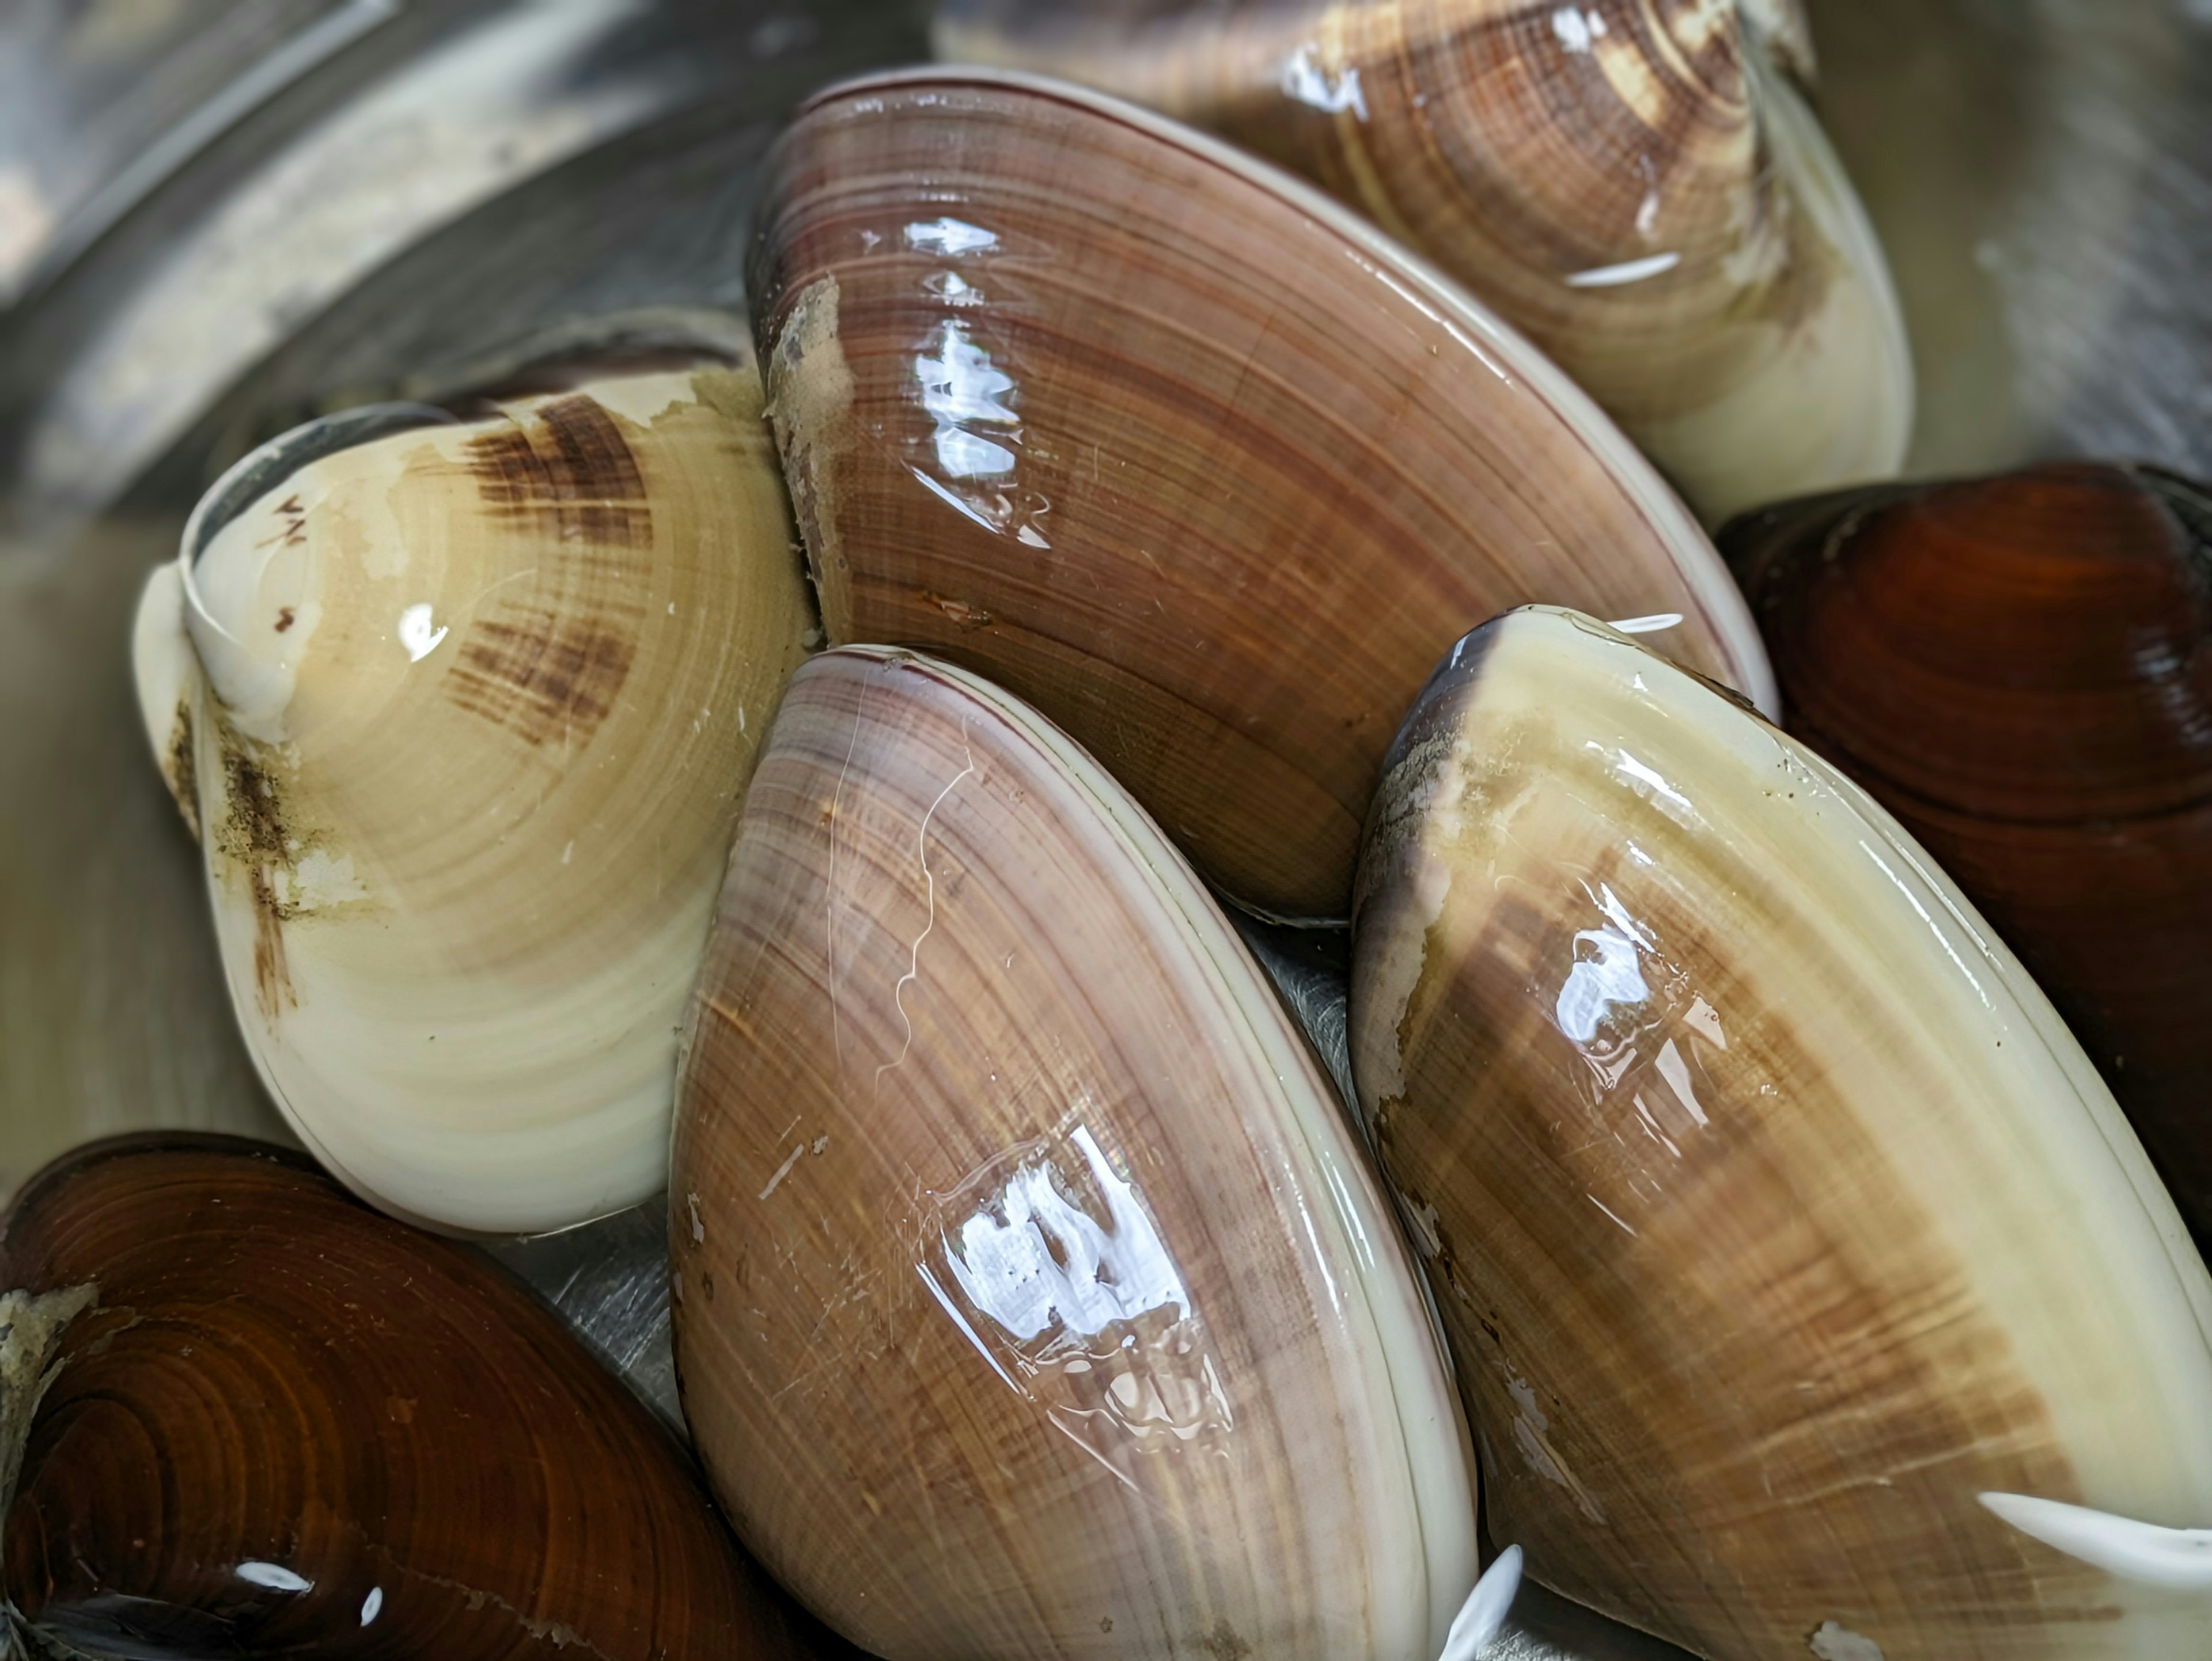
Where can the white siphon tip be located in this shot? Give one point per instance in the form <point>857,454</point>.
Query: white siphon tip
<point>1485,1608</point>
<point>2177,1559</point>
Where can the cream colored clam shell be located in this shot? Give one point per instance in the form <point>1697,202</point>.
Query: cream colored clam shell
<point>465,715</point>
<point>1773,1215</point>
<point>1033,1295</point>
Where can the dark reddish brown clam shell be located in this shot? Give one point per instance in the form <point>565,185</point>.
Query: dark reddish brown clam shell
<point>286,1425</point>
<point>2021,669</point>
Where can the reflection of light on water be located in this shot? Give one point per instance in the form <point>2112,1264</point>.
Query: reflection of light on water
<point>959,385</point>
<point>1306,80</point>
<point>1081,1306</point>
<point>961,389</point>
<point>1576,29</point>
<point>952,288</point>
<point>1629,271</point>
<point>1612,975</point>
<point>416,635</point>
<point>1643,1033</point>
<point>949,235</point>
<point>1012,1272</point>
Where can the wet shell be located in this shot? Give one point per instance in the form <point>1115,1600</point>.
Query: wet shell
<point>1634,184</point>
<point>246,1416</point>
<point>2021,669</point>
<point>1179,451</point>
<point>464,714</point>
<point>1773,1215</point>
<point>1033,1297</point>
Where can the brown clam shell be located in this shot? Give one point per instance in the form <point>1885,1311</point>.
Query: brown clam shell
<point>1180,451</point>
<point>1773,1216</point>
<point>1034,1297</point>
<point>280,1424</point>
<point>1631,183</point>
<point>2021,669</point>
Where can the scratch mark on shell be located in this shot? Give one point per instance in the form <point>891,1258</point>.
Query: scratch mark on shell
<point>783,1170</point>
<point>914,956</point>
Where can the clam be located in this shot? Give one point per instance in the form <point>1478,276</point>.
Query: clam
<point>243,1416</point>
<point>2021,669</point>
<point>1774,1217</point>
<point>1032,1297</point>
<point>1180,451</point>
<point>462,712</point>
<point>1636,186</point>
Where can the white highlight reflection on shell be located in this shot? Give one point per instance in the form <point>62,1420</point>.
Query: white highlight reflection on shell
<point>416,634</point>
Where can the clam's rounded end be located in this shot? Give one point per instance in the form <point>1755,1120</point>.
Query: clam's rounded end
<point>166,675</point>
<point>1825,398</point>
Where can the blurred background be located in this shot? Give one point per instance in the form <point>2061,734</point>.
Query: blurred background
<point>218,217</point>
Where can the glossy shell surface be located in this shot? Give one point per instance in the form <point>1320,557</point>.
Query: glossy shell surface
<point>1033,1296</point>
<point>1636,185</point>
<point>463,715</point>
<point>1180,451</point>
<point>1773,1215</point>
<point>2021,669</point>
<point>280,1424</point>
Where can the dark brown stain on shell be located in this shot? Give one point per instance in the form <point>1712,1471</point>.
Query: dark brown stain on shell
<point>253,834</point>
<point>543,676</point>
<point>289,1426</point>
<point>550,668</point>
<point>180,767</point>
<point>575,473</point>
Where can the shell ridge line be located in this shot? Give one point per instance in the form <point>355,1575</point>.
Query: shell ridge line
<point>829,883</point>
<point>913,958</point>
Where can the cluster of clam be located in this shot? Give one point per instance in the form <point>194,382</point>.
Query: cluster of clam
<point>1718,1183</point>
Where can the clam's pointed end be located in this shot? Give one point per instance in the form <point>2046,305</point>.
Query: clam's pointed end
<point>2177,1559</point>
<point>163,667</point>
<point>1486,1607</point>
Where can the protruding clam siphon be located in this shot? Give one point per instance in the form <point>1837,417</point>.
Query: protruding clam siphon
<point>463,714</point>
<point>1033,1296</point>
<point>1182,452</point>
<point>2021,669</point>
<point>1774,1217</point>
<point>243,1416</point>
<point>1634,184</point>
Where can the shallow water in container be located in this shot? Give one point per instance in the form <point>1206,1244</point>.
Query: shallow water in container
<point>2040,170</point>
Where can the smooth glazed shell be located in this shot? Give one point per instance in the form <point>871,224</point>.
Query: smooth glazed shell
<point>277,1424</point>
<point>1773,1215</point>
<point>1633,183</point>
<point>1179,451</point>
<point>2021,669</point>
<point>464,714</point>
<point>1033,1298</point>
